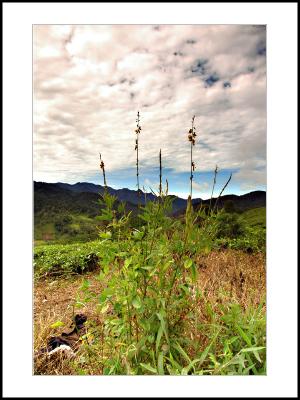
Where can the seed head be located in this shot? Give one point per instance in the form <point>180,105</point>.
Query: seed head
<point>192,133</point>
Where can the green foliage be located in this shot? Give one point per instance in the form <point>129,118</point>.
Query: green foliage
<point>65,228</point>
<point>251,227</point>
<point>228,225</point>
<point>253,240</point>
<point>58,260</point>
<point>229,206</point>
<point>255,217</point>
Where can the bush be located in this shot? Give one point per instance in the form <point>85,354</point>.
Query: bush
<point>62,223</point>
<point>229,225</point>
<point>252,241</point>
<point>58,260</point>
<point>229,206</point>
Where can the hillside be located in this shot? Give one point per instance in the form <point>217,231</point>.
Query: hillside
<point>64,212</point>
<point>240,203</point>
<point>243,202</point>
<point>127,195</point>
<point>66,215</point>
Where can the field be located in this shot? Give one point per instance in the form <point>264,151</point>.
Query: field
<point>173,296</point>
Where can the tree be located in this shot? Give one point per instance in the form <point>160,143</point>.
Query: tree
<point>229,206</point>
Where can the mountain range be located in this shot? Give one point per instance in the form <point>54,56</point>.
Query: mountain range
<point>65,212</point>
<point>84,194</point>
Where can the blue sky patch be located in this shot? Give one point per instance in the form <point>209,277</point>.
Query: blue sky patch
<point>226,84</point>
<point>200,66</point>
<point>211,80</point>
<point>261,49</point>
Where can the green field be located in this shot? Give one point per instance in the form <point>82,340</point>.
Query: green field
<point>255,217</point>
<point>65,228</point>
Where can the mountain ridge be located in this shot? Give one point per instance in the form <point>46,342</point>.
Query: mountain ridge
<point>251,199</point>
<point>70,212</point>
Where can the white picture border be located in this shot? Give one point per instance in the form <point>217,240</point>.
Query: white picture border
<point>281,21</point>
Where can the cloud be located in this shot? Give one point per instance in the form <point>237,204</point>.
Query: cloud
<point>89,82</point>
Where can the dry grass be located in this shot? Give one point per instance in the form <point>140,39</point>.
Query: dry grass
<point>234,275</point>
<point>224,277</point>
<point>54,300</point>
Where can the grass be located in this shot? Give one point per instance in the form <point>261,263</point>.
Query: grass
<point>255,217</point>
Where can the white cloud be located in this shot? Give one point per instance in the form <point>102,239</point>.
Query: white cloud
<point>89,82</point>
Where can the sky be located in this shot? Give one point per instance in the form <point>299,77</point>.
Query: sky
<point>91,80</point>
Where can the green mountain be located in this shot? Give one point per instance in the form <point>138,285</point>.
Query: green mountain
<point>66,213</point>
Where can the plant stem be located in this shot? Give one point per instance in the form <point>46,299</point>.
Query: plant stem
<point>129,316</point>
<point>191,137</point>
<point>160,174</point>
<point>137,168</point>
<point>103,171</point>
<point>224,187</point>
<point>212,192</point>
<point>191,177</point>
<point>137,155</point>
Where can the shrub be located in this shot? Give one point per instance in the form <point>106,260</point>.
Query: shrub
<point>62,223</point>
<point>229,207</point>
<point>228,225</point>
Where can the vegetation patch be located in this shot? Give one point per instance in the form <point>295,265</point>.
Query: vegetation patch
<point>162,298</point>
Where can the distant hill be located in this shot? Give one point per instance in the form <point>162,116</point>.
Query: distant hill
<point>64,214</point>
<point>83,197</point>
<point>127,195</point>
<point>62,210</point>
<point>243,202</point>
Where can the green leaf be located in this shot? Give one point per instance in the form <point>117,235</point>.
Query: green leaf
<point>138,235</point>
<point>104,308</point>
<point>205,352</point>
<point>56,324</point>
<point>151,339</point>
<point>149,368</point>
<point>188,263</point>
<point>160,363</point>
<point>174,363</point>
<point>136,302</point>
<point>182,352</point>
<point>244,336</point>
<point>254,350</point>
<point>105,235</point>
<point>127,262</point>
<point>163,325</point>
<point>249,349</point>
<point>194,272</point>
<point>158,337</point>
<point>85,285</point>
<point>108,292</point>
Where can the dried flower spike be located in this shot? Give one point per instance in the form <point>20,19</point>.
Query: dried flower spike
<point>191,138</point>
<point>103,170</point>
<point>137,131</point>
